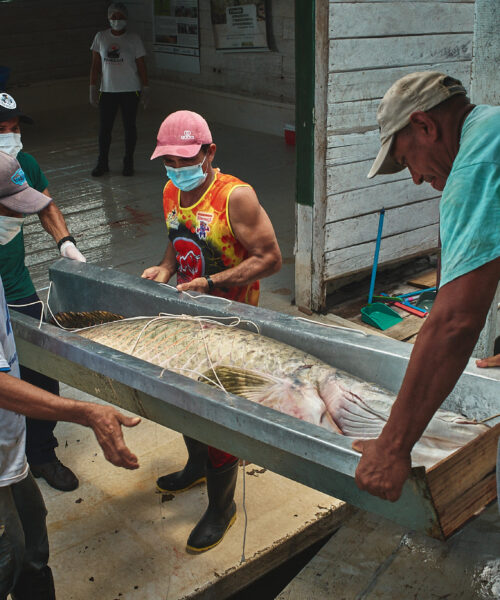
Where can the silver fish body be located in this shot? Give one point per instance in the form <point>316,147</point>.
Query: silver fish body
<point>276,375</point>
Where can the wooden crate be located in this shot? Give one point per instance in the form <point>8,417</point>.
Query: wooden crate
<point>464,483</point>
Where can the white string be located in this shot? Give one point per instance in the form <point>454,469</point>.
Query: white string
<point>332,326</point>
<point>31,304</point>
<point>53,315</point>
<point>199,296</point>
<point>243,559</point>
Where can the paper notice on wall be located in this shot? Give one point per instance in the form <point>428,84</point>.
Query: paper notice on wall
<point>176,40</point>
<point>239,25</point>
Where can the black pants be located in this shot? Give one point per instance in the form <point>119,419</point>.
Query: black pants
<point>24,546</point>
<point>40,439</point>
<point>109,104</point>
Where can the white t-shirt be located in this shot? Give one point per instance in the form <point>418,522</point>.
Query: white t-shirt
<point>118,54</point>
<point>13,465</point>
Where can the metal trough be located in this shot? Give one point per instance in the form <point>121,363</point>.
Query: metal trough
<point>285,445</point>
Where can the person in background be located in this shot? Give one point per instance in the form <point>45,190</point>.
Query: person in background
<point>429,126</point>
<point>118,61</point>
<point>20,291</point>
<point>221,242</point>
<point>24,547</point>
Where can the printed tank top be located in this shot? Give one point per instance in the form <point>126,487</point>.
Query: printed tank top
<point>202,237</point>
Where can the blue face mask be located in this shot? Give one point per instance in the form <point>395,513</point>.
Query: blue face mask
<point>187,178</point>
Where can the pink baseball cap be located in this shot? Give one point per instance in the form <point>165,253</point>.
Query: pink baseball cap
<point>182,133</point>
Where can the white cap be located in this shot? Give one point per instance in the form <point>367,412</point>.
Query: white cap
<point>417,91</point>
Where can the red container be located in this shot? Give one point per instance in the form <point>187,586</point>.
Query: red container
<point>290,135</point>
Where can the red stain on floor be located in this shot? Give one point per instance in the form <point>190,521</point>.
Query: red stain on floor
<point>134,217</point>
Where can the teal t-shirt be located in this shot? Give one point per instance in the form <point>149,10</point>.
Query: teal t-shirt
<point>470,204</point>
<point>14,273</point>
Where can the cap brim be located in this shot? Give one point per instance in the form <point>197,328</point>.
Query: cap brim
<point>12,114</point>
<point>384,164</point>
<point>28,201</point>
<point>183,151</point>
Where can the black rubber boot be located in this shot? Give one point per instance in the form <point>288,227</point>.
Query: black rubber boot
<point>191,474</point>
<point>101,168</point>
<point>128,166</point>
<point>221,511</point>
<point>34,585</point>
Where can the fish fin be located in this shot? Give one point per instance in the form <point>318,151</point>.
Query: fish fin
<point>236,380</point>
<point>79,320</point>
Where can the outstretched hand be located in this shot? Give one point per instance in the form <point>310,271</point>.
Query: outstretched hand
<point>106,422</point>
<point>491,361</point>
<point>156,273</point>
<point>381,472</point>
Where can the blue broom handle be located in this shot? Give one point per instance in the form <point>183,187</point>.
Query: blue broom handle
<point>375,258</point>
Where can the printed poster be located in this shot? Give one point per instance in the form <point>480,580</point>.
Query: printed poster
<point>176,40</point>
<point>239,25</point>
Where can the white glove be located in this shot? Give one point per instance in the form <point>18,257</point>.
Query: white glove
<point>145,96</point>
<point>94,96</point>
<point>69,250</point>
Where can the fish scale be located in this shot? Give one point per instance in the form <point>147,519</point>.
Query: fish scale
<point>276,375</point>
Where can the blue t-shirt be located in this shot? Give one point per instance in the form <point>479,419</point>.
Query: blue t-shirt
<point>13,465</point>
<point>470,204</point>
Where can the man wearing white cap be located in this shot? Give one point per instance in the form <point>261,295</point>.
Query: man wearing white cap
<point>20,291</point>
<point>428,125</point>
<point>221,242</point>
<point>24,548</point>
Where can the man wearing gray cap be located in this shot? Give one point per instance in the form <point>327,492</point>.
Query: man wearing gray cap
<point>20,291</point>
<point>24,547</point>
<point>428,125</point>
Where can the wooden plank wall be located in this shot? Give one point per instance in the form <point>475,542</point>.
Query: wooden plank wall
<point>50,39</point>
<point>372,44</point>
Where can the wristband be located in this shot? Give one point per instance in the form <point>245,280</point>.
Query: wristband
<point>68,238</point>
<point>210,282</point>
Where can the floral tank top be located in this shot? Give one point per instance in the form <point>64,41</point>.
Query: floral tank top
<point>203,239</point>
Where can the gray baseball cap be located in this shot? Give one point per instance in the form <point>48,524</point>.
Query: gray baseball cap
<point>15,193</point>
<point>416,91</point>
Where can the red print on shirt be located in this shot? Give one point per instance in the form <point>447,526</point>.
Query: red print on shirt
<point>190,260</point>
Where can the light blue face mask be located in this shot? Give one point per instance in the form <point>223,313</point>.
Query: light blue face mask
<point>187,178</point>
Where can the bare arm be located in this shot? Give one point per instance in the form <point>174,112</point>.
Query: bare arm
<point>441,352</point>
<point>167,267</point>
<point>253,229</point>
<point>52,220</point>
<point>95,68</point>
<point>22,397</point>
<point>142,71</point>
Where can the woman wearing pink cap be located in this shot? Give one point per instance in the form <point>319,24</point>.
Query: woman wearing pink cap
<point>221,242</point>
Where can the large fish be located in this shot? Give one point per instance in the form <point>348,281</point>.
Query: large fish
<point>276,375</point>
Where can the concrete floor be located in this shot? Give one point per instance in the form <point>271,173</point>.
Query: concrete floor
<point>114,538</point>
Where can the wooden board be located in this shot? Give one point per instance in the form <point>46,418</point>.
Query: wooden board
<point>362,229</point>
<point>426,280</point>
<point>465,482</point>
<point>339,263</point>
<point>116,537</point>
<point>349,20</point>
<point>354,54</point>
<point>373,83</point>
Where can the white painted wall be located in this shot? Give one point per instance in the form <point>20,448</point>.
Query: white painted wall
<point>264,75</point>
<point>371,44</point>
